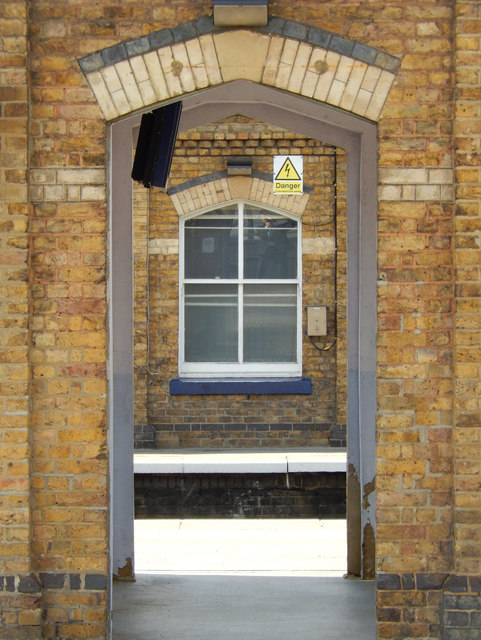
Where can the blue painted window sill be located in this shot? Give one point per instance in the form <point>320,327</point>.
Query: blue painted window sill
<point>240,386</point>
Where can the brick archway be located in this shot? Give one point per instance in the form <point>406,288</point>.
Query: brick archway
<point>286,55</point>
<point>309,80</point>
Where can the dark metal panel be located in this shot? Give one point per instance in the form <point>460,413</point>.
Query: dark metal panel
<point>281,386</point>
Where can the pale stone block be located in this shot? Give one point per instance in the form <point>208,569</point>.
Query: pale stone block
<point>447,193</point>
<point>440,176</point>
<point>73,193</point>
<point>428,29</point>
<point>199,197</point>
<point>325,80</point>
<point>318,246</point>
<point>283,74</point>
<point>54,193</point>
<point>353,85</point>
<point>208,197</point>
<point>43,176</point>
<point>370,79</point>
<point>141,75</point>
<point>299,204</point>
<point>129,84</point>
<point>299,68</point>
<point>120,101</point>
<point>362,101</point>
<point>272,61</point>
<point>312,75</point>
<point>402,175</point>
<point>182,201</point>
<point>269,197</point>
<point>91,193</point>
<point>241,54</point>
<point>335,92</point>
<point>196,199</point>
<point>80,176</point>
<point>239,186</point>
<point>263,191</point>
<point>156,75</point>
<point>177,206</point>
<point>289,51</point>
<point>101,92</point>
<point>139,69</point>
<point>111,79</point>
<point>408,192</point>
<point>36,193</point>
<point>215,192</point>
<point>210,59</point>
<point>163,246</point>
<point>167,61</point>
<point>189,201</point>
<point>147,92</point>
<point>380,94</point>
<point>224,185</point>
<point>344,69</point>
<point>428,192</point>
<point>254,189</point>
<point>390,193</point>
<point>197,65</point>
<point>186,78</point>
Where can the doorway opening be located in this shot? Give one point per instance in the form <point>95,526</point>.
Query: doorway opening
<point>357,138</point>
<point>339,131</point>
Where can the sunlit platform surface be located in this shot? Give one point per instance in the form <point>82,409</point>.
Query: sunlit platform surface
<point>242,547</point>
<point>242,580</point>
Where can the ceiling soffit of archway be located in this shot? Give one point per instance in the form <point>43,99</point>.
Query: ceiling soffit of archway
<point>285,55</point>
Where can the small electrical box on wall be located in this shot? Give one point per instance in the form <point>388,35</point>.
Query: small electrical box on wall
<point>316,321</point>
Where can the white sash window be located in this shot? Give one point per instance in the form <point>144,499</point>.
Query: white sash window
<point>240,293</point>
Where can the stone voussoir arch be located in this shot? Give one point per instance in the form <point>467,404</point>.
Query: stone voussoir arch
<point>286,55</point>
<point>220,188</point>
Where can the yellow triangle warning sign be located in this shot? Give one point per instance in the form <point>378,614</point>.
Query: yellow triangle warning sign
<point>287,171</point>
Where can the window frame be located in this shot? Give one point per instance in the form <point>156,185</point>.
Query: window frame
<point>239,370</point>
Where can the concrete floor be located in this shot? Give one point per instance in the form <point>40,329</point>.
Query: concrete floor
<point>240,580</point>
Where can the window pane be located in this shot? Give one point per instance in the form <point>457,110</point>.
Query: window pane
<point>211,244</point>
<point>270,319</point>
<point>211,323</point>
<point>270,245</point>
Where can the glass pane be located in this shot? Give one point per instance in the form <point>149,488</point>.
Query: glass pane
<point>211,323</point>
<point>270,323</point>
<point>270,245</point>
<point>211,244</point>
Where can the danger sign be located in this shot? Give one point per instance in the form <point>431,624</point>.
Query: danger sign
<point>288,174</point>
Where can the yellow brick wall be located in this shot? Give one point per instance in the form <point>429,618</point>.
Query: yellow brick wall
<point>428,299</point>
<point>199,153</point>
<point>14,343</point>
<point>467,354</point>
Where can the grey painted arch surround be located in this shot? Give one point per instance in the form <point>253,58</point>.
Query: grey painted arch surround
<point>358,137</point>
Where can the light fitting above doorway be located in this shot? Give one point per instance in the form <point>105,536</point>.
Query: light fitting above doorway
<point>240,13</point>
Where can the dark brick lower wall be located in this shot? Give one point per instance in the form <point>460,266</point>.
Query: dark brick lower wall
<point>298,495</point>
<point>462,608</point>
<point>434,606</point>
<point>49,605</point>
<point>222,435</point>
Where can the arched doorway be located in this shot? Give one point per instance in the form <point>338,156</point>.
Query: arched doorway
<point>328,87</point>
<point>320,123</point>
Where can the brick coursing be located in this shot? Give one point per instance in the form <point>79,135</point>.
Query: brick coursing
<point>53,433</point>
<point>446,606</point>
<point>210,421</point>
<point>249,495</point>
